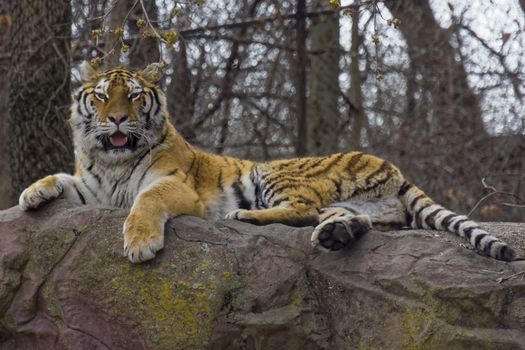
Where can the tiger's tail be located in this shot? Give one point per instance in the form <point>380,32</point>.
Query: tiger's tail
<point>426,214</point>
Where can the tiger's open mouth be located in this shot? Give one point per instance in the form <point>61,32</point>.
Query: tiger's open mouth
<point>119,141</point>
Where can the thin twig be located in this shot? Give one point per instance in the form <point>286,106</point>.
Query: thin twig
<point>105,14</point>
<point>503,279</point>
<point>157,35</point>
<point>494,192</point>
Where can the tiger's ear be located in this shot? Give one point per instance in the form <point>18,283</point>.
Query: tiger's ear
<point>87,72</point>
<point>152,72</point>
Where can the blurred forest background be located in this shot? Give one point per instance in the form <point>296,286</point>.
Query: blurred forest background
<point>436,87</point>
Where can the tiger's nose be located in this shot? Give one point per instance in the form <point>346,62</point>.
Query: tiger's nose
<point>118,119</point>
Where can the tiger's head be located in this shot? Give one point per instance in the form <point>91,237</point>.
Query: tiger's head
<point>118,113</point>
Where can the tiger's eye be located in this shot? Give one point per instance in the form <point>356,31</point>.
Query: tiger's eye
<point>134,95</point>
<point>101,97</point>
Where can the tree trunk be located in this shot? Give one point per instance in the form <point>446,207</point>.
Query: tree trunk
<point>437,141</point>
<point>180,91</point>
<point>300,79</point>
<point>143,51</point>
<point>112,42</point>
<point>6,199</point>
<point>39,134</point>
<point>456,113</point>
<point>357,114</point>
<point>322,103</point>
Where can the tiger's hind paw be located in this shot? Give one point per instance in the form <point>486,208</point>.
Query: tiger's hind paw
<point>337,233</point>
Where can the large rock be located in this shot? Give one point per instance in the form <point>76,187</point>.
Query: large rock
<point>65,284</point>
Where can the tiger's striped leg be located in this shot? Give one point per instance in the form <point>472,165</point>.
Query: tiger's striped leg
<point>49,188</point>
<point>338,228</point>
<point>144,226</point>
<point>292,216</point>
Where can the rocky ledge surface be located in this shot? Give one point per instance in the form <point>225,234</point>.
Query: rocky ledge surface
<point>65,284</point>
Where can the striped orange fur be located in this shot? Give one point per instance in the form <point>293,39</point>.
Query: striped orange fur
<point>129,155</point>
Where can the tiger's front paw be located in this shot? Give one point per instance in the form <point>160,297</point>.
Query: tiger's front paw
<point>236,214</point>
<point>243,215</point>
<point>142,238</point>
<point>41,192</point>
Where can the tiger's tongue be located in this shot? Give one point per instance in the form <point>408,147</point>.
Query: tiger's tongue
<point>118,139</point>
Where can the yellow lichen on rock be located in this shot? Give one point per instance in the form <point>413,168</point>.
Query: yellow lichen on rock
<point>174,313</point>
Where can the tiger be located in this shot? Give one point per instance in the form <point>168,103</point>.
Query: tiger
<point>129,155</point>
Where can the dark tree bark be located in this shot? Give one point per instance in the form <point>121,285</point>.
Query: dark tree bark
<point>39,98</point>
<point>143,51</point>
<point>322,103</point>
<point>300,79</point>
<point>356,111</point>
<point>456,112</point>
<point>112,44</point>
<point>6,199</point>
<point>181,96</point>
<point>437,141</point>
